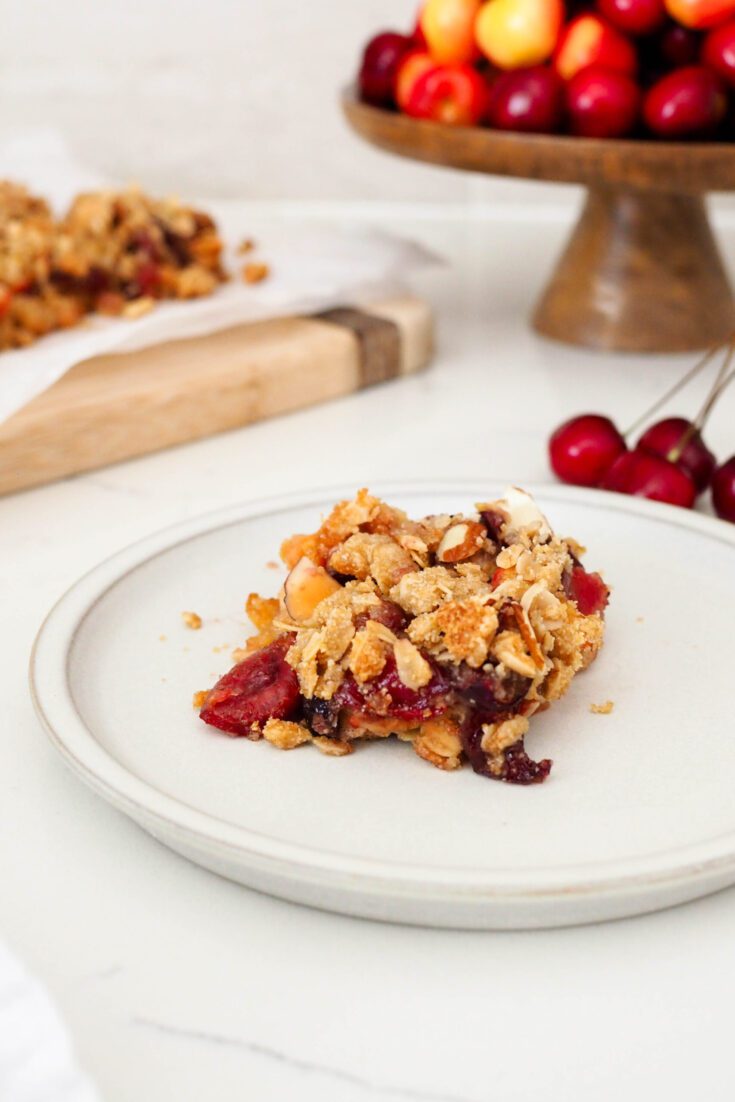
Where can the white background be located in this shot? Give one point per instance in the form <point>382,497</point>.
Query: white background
<point>230,97</point>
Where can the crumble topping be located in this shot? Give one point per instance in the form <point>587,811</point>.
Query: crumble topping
<point>449,632</point>
<point>114,252</point>
<point>457,631</point>
<point>285,735</point>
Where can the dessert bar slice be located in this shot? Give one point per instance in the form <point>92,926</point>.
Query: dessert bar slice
<point>449,632</point>
<point>30,302</point>
<point>114,252</point>
<point>117,246</point>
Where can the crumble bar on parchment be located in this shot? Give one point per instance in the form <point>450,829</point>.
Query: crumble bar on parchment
<point>115,252</point>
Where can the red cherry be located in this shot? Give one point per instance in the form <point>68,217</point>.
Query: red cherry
<point>589,40</point>
<point>588,590</point>
<point>644,475</point>
<point>696,459</point>
<point>602,103</point>
<point>583,449</point>
<point>688,103</point>
<point>452,94</point>
<point>380,62</point>
<point>531,100</point>
<point>262,687</point>
<point>723,490</point>
<point>718,51</point>
<point>634,16</point>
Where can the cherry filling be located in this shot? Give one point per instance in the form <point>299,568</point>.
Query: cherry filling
<point>588,591</point>
<point>265,687</point>
<point>321,716</point>
<point>487,693</point>
<point>387,613</point>
<point>492,698</point>
<point>517,767</point>
<point>494,522</point>
<point>386,695</point>
<point>262,687</point>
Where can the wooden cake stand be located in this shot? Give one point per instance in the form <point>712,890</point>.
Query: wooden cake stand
<point>641,271</point>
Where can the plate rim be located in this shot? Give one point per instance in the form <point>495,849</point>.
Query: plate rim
<point>99,769</point>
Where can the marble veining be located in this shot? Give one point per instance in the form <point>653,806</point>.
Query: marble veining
<point>288,1060</point>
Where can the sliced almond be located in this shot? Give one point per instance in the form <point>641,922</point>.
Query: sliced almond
<point>413,669</point>
<point>529,636</point>
<point>461,541</point>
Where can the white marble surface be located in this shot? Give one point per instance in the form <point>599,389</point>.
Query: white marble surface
<point>175,984</point>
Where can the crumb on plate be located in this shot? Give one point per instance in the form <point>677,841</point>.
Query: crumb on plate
<point>192,620</point>
<point>602,709</point>
<point>255,272</point>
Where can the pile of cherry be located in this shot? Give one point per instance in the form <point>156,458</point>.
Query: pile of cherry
<point>593,68</point>
<point>670,461</point>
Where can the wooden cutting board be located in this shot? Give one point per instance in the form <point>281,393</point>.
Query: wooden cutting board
<point>115,407</point>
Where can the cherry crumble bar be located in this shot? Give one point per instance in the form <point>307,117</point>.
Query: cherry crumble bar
<point>30,302</point>
<point>115,247</point>
<point>449,632</point>
<point>115,252</point>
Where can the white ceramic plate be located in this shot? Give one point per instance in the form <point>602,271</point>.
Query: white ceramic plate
<point>637,814</point>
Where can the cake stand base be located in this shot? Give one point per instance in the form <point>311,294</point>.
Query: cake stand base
<point>641,273</point>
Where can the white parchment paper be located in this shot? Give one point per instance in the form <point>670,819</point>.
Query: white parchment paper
<point>310,270</point>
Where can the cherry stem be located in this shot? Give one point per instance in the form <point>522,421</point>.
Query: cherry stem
<point>721,382</point>
<point>690,374</point>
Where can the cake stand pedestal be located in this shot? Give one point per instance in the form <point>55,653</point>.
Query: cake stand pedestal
<point>641,271</point>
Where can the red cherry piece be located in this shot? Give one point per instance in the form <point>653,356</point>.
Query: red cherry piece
<point>723,490</point>
<point>644,475</point>
<point>602,103</point>
<point>688,103</point>
<point>530,100</point>
<point>718,51</point>
<point>262,687</point>
<point>148,277</point>
<point>583,449</point>
<point>386,695</point>
<point>380,62</point>
<point>517,767</point>
<point>634,16</point>
<point>696,459</point>
<point>588,591</point>
<point>386,612</point>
